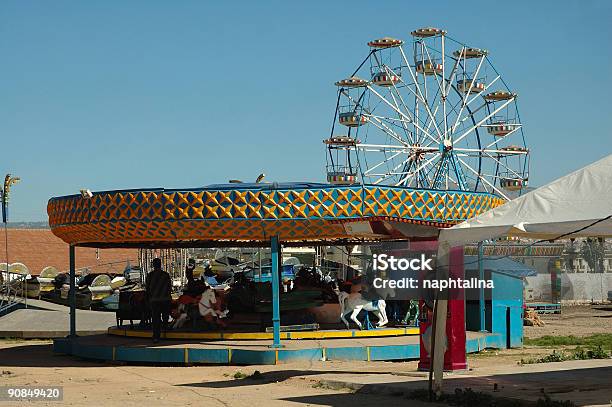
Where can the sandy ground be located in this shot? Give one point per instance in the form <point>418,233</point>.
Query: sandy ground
<point>575,320</point>
<point>32,363</point>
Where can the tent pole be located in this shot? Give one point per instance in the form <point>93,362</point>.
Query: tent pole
<point>275,275</point>
<point>441,309</point>
<point>481,297</point>
<point>72,293</point>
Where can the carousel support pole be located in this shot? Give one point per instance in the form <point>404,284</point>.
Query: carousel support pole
<point>72,294</point>
<point>276,257</point>
<point>481,296</point>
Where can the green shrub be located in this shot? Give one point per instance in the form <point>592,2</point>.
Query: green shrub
<point>578,354</point>
<point>603,340</point>
<point>548,402</point>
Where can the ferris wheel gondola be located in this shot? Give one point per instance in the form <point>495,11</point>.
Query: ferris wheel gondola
<point>431,114</point>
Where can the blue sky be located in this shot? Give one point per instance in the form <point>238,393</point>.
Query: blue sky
<point>128,94</point>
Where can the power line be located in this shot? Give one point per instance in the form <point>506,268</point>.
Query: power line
<point>539,241</point>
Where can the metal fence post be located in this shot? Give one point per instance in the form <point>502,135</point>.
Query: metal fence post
<point>72,293</point>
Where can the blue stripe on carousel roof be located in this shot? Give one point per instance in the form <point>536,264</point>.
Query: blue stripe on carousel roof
<point>266,186</point>
<point>272,186</point>
<point>135,190</point>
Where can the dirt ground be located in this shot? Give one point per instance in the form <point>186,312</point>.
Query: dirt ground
<point>575,320</point>
<point>32,363</point>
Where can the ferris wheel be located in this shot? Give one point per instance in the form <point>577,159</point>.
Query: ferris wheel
<point>433,114</point>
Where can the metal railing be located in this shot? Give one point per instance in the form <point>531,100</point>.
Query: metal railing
<point>13,291</point>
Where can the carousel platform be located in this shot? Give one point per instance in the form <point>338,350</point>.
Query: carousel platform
<point>254,352</point>
<point>246,334</point>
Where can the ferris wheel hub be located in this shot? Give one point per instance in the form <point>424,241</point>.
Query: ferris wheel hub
<point>446,145</point>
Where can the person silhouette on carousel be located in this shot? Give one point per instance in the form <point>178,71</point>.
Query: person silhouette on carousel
<point>159,290</point>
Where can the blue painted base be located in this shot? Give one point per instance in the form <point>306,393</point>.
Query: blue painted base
<point>235,356</point>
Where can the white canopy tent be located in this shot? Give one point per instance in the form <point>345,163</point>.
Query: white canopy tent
<point>576,205</point>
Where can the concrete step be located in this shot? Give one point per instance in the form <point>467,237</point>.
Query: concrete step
<point>8,308</point>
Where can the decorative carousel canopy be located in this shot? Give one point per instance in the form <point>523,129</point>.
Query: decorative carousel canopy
<point>246,214</point>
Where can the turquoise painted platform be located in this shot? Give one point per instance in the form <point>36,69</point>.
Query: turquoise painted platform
<point>103,347</point>
<point>128,331</point>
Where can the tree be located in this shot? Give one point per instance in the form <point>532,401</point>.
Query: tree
<point>592,251</point>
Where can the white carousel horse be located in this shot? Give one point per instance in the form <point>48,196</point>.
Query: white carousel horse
<point>182,318</point>
<point>205,305</point>
<point>206,301</point>
<point>355,303</point>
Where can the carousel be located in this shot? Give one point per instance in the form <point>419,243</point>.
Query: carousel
<point>425,134</point>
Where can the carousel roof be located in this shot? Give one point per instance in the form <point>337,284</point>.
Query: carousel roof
<point>249,214</point>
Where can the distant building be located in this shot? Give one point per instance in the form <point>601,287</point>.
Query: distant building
<point>39,248</point>
<point>539,256</point>
<point>580,256</point>
<point>588,256</point>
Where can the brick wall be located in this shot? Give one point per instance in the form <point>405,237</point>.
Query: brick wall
<point>38,248</point>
